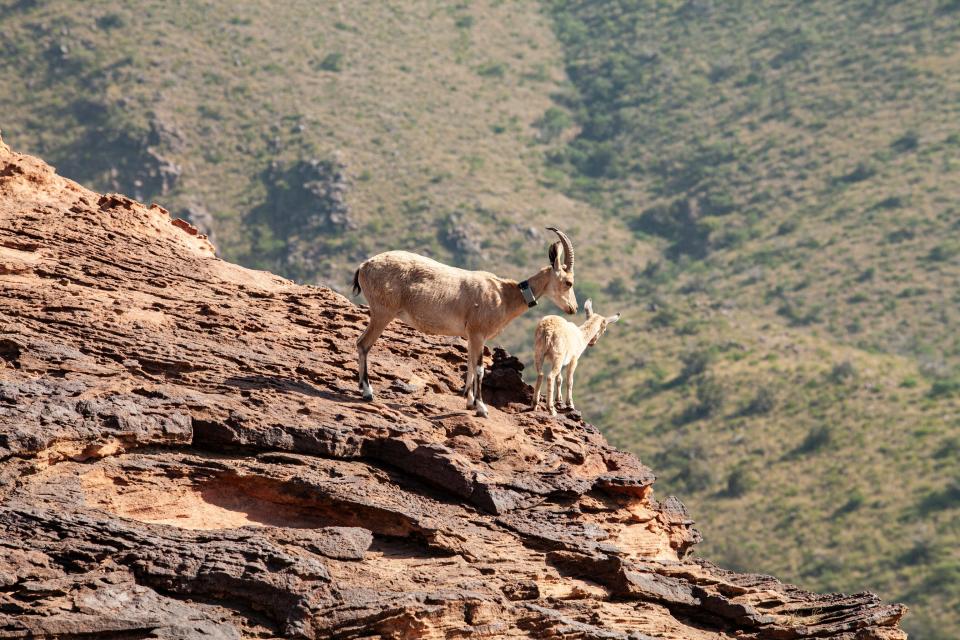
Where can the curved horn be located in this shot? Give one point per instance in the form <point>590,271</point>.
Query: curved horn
<point>567,248</point>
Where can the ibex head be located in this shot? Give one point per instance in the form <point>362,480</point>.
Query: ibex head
<point>560,288</point>
<point>603,321</point>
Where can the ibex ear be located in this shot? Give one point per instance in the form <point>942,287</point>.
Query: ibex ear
<point>612,319</point>
<point>588,307</point>
<point>556,255</point>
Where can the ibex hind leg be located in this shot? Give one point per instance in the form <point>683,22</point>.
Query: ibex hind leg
<point>536,392</point>
<point>481,408</point>
<point>378,322</point>
<point>474,354</point>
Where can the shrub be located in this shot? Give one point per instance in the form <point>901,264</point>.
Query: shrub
<point>949,448</point>
<point>817,438</point>
<point>945,387</point>
<point>924,550</point>
<point>861,172</point>
<point>492,70</point>
<point>944,252</point>
<point>739,482</point>
<point>946,498</point>
<point>855,501</point>
<point>800,316</point>
<point>910,382</point>
<point>892,202</point>
<point>907,142</point>
<point>694,363</point>
<point>788,226</point>
<point>111,21</point>
<point>842,371</point>
<point>553,123</point>
<point>711,396</point>
<point>762,403</point>
<point>332,62</point>
<point>617,287</point>
<point>665,317</point>
<point>697,476</point>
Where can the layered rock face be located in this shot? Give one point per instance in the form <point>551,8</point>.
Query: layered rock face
<point>184,454</point>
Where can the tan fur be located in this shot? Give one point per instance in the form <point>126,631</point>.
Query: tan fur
<point>440,299</point>
<point>559,343</point>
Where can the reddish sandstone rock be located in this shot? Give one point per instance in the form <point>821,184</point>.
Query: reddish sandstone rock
<point>185,453</point>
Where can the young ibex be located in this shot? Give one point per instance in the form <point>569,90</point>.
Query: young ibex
<point>560,343</point>
<point>439,299</point>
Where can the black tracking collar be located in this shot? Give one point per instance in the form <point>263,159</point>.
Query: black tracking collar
<point>528,293</point>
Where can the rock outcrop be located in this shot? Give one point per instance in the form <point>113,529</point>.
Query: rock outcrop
<point>185,454</point>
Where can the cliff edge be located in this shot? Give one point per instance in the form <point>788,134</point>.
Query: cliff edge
<point>184,454</point>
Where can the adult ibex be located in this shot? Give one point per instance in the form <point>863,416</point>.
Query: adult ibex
<point>443,300</point>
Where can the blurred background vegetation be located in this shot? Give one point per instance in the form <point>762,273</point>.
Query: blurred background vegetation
<point>768,191</point>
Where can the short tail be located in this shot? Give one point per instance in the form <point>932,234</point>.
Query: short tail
<point>356,282</point>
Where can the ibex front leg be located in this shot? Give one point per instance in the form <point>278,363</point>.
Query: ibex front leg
<point>475,375</point>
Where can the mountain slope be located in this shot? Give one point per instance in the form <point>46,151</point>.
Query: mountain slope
<point>182,436</point>
<point>795,164</point>
<point>765,190</point>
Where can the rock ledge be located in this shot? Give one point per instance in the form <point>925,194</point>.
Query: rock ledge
<point>184,454</point>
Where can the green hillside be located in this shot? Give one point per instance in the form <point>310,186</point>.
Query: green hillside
<point>795,372</point>
<point>767,191</point>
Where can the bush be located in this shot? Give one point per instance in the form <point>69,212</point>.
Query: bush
<point>817,438</point>
<point>842,371</point>
<point>855,501</point>
<point>861,172</point>
<point>739,482</point>
<point>907,142</point>
<point>763,403</point>
<point>910,382</point>
<point>946,498</point>
<point>949,448</point>
<point>332,62</point>
<point>553,123</point>
<point>665,317</point>
<point>924,550</point>
<point>111,21</point>
<point>694,363</point>
<point>698,475</point>
<point>945,387</point>
<point>788,226</point>
<point>617,287</point>
<point>944,252</point>
<point>492,70</point>
<point>711,396</point>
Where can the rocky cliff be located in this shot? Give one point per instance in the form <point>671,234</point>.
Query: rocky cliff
<point>184,454</point>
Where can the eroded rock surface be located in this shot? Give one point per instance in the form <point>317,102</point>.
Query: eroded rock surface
<point>185,454</point>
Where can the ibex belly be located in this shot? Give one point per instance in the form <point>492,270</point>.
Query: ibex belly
<point>441,325</point>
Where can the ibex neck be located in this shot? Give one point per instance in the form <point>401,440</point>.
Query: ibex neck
<point>538,283</point>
